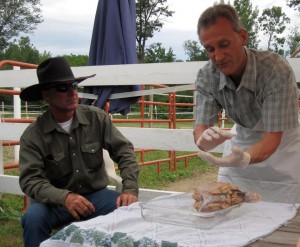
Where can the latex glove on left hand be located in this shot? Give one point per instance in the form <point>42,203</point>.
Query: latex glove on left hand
<point>238,158</point>
<point>212,137</point>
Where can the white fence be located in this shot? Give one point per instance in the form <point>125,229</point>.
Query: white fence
<point>183,73</point>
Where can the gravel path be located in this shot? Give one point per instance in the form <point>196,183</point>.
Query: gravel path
<point>188,185</point>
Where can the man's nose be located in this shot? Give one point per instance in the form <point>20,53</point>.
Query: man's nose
<point>72,91</point>
<point>219,54</point>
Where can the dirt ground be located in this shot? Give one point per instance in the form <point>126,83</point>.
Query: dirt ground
<point>188,185</point>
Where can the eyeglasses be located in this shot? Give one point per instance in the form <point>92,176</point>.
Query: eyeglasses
<point>64,87</point>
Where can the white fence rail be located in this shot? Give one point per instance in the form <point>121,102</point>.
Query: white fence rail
<point>162,73</point>
<point>130,74</point>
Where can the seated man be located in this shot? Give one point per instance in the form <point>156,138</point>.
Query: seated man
<point>61,157</point>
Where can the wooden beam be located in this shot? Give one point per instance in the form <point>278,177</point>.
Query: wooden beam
<point>147,138</point>
<point>125,74</point>
<point>10,184</point>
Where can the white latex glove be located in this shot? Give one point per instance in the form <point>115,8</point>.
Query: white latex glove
<point>238,158</point>
<point>212,137</point>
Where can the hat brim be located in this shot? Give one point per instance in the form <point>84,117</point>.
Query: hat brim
<point>34,92</point>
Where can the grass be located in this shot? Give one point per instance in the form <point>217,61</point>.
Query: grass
<point>150,179</point>
<point>10,211</point>
<point>10,226</point>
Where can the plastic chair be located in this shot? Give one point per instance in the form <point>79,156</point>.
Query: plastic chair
<point>111,171</point>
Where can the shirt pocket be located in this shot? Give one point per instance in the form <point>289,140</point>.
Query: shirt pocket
<point>57,167</point>
<point>92,154</point>
<point>251,115</point>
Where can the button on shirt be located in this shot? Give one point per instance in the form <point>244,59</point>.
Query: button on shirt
<point>54,163</point>
<point>267,91</point>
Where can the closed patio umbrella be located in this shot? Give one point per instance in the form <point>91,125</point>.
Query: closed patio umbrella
<point>113,42</point>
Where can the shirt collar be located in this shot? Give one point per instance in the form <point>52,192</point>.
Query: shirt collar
<point>50,124</point>
<point>248,76</point>
<point>80,116</point>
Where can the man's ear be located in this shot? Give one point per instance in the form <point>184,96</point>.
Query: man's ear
<point>244,36</point>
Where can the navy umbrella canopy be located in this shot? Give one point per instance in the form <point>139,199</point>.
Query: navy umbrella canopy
<point>113,42</point>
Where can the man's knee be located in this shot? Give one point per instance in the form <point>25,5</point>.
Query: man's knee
<point>35,216</point>
<point>104,201</point>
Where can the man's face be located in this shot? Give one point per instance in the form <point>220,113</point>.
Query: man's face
<point>63,97</point>
<point>225,47</point>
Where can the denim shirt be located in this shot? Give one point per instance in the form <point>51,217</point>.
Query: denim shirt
<point>54,162</point>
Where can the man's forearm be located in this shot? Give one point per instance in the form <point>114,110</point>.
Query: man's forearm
<point>263,149</point>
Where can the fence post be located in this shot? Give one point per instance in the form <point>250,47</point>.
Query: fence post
<point>151,98</point>
<point>194,107</point>
<point>17,114</point>
<point>1,163</point>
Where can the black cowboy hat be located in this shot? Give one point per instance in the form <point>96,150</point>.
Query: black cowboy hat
<point>51,72</point>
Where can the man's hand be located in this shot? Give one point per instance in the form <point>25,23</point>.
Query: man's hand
<point>238,158</point>
<point>212,137</point>
<point>78,206</point>
<point>126,199</point>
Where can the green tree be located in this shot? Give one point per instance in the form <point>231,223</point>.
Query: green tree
<point>77,60</point>
<point>248,16</point>
<point>193,49</point>
<point>273,23</point>
<point>157,54</point>
<point>293,40</point>
<point>23,51</point>
<point>294,4</point>
<point>18,16</point>
<point>150,15</point>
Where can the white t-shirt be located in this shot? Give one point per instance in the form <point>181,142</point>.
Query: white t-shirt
<point>66,125</point>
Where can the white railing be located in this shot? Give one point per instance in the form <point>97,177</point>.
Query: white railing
<point>130,74</point>
<point>183,73</point>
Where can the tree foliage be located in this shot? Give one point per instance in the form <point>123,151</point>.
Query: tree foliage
<point>23,51</point>
<point>293,40</point>
<point>248,16</point>
<point>77,60</point>
<point>157,54</point>
<point>273,23</point>
<point>18,16</point>
<point>294,4</point>
<point>150,15</point>
<point>194,51</point>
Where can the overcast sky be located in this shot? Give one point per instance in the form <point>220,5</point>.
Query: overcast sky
<point>68,24</point>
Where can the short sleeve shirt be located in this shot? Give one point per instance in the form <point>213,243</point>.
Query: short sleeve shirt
<point>267,92</point>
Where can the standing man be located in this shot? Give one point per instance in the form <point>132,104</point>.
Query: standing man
<point>61,157</point>
<point>258,91</point>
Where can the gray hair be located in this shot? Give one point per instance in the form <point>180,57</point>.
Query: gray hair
<point>211,14</point>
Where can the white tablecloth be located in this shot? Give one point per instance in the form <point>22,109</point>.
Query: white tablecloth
<point>126,227</point>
